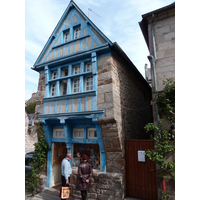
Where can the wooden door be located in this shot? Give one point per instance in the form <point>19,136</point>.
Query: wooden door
<point>140,176</point>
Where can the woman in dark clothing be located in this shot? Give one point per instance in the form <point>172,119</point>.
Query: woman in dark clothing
<point>84,176</point>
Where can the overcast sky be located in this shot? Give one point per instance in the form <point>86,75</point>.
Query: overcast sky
<point>117,19</point>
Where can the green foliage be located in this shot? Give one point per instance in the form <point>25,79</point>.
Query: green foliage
<point>38,160</point>
<point>166,101</point>
<point>165,195</point>
<point>30,108</point>
<point>164,143</point>
<point>163,146</point>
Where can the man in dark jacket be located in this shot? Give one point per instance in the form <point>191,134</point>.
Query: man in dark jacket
<point>84,176</point>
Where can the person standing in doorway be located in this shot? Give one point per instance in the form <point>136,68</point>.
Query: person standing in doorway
<point>84,176</point>
<point>66,170</point>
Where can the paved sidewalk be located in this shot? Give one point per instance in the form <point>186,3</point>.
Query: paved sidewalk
<point>43,196</point>
<point>46,194</point>
<point>53,194</point>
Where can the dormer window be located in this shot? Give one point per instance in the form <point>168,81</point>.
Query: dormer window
<point>66,36</point>
<point>77,32</point>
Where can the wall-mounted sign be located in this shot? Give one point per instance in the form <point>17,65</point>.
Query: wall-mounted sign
<point>141,156</point>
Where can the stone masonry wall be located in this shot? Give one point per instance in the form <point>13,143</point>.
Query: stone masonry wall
<point>30,135</point>
<point>126,104</point>
<point>164,32</point>
<point>134,99</point>
<point>110,124</point>
<point>105,186</point>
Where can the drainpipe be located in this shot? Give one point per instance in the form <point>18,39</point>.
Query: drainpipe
<point>152,59</point>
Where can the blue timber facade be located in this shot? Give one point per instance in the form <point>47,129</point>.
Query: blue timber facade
<point>94,99</point>
<point>70,65</point>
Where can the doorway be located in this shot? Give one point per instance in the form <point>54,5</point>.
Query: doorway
<point>59,153</point>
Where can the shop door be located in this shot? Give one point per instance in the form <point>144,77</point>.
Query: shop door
<point>140,172</point>
<point>59,152</point>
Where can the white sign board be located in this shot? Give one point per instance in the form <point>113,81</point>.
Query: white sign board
<point>141,156</point>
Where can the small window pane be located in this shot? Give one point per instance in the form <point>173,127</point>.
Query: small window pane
<point>89,83</point>
<point>77,69</point>
<point>76,85</point>
<point>88,67</point>
<point>78,133</point>
<point>54,75</point>
<point>66,36</point>
<point>65,72</point>
<point>53,89</point>
<point>64,87</point>
<point>91,133</point>
<point>77,32</point>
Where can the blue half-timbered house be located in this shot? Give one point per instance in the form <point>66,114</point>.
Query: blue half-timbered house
<point>89,85</point>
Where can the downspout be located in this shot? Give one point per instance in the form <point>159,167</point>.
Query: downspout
<point>152,59</point>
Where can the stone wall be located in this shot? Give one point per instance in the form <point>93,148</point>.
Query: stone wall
<point>107,186</point>
<point>134,99</point>
<point>30,132</point>
<point>164,32</point>
<point>127,107</point>
<point>30,135</point>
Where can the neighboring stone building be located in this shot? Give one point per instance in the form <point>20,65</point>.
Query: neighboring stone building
<point>94,99</point>
<point>158,28</point>
<point>30,132</point>
<point>31,120</point>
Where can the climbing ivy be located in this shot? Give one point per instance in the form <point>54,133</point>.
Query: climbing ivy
<point>38,160</point>
<point>164,138</point>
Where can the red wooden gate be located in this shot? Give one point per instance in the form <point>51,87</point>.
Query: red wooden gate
<point>140,176</point>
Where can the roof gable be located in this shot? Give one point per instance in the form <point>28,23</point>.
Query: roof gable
<point>56,46</point>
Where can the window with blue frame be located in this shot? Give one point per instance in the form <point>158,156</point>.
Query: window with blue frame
<point>53,89</point>
<point>91,133</point>
<point>76,85</point>
<point>92,150</point>
<point>64,87</point>
<point>77,76</point>
<point>67,36</point>
<point>88,67</point>
<point>77,32</point>
<point>80,148</point>
<point>65,71</point>
<point>77,69</point>
<point>54,74</point>
<point>89,83</point>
